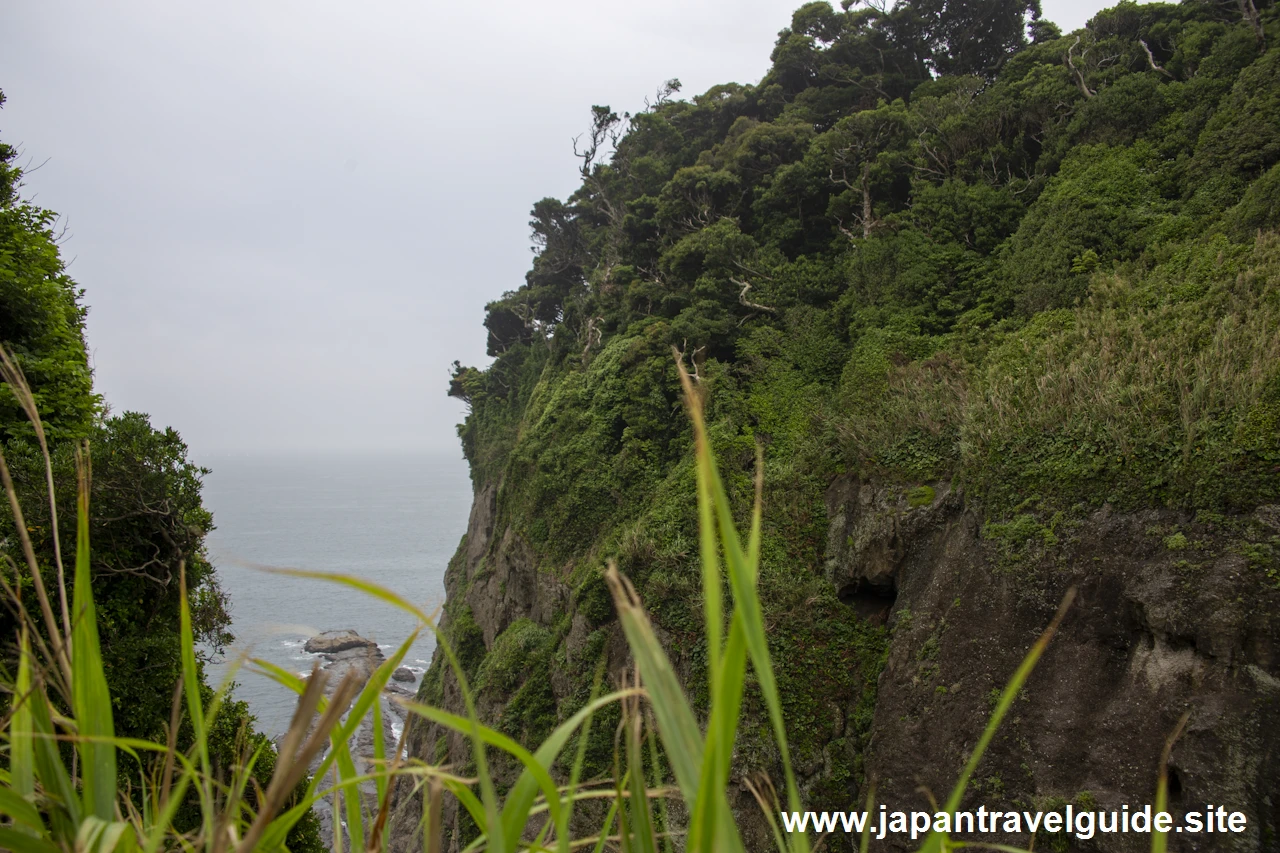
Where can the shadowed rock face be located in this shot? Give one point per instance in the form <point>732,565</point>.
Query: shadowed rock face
<point>495,574</point>
<point>1154,632</point>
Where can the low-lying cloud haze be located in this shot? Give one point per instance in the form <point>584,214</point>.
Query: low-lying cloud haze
<point>288,216</point>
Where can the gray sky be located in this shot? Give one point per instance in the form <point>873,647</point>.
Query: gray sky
<point>288,216</point>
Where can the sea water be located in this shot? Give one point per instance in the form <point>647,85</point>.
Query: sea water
<point>391,519</point>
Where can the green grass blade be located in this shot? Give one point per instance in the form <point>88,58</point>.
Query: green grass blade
<point>622,779</point>
<point>20,810</point>
<point>586,716</point>
<point>105,836</point>
<point>372,691</point>
<point>638,802</point>
<point>1159,838</point>
<point>742,580</point>
<point>368,696</point>
<point>379,748</point>
<point>368,701</point>
<point>280,675</point>
<point>864,840</point>
<point>663,811</point>
<point>1007,698</point>
<point>21,727</point>
<point>11,839</point>
<point>757,513</point>
<point>91,700</point>
<point>65,810</point>
<point>195,708</point>
<point>712,588</point>
<point>350,799</point>
<point>278,830</point>
<point>677,725</point>
<point>515,821</point>
<point>709,810</point>
<point>522,794</point>
<point>352,582</point>
<point>940,841</point>
<point>487,789</point>
<point>608,824</point>
<point>471,803</point>
<point>341,736</point>
<point>163,819</point>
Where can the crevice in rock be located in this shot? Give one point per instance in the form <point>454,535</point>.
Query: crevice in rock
<point>871,601</point>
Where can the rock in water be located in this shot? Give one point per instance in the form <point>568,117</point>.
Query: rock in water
<point>403,673</point>
<point>331,642</point>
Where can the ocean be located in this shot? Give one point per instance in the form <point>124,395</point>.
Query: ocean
<point>393,520</point>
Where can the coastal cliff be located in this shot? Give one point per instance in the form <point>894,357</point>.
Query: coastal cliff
<point>1000,325</point>
<point>1160,626</point>
<point>1169,618</point>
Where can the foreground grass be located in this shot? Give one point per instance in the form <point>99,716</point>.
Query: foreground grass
<point>61,788</point>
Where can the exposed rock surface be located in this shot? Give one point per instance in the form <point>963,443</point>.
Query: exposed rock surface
<point>403,674</point>
<point>1155,631</point>
<point>496,576</point>
<point>1161,625</point>
<point>346,652</point>
<point>331,642</point>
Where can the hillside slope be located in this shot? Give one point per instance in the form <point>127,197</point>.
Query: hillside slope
<point>1003,310</point>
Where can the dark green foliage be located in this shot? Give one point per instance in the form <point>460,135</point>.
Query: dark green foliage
<point>41,318</point>
<point>1259,210</point>
<point>517,670</point>
<point>1242,139</point>
<point>1046,273</point>
<point>1100,208</point>
<point>146,522</point>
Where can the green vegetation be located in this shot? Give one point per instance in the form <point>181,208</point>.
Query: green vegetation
<point>148,521</point>
<point>1040,267</point>
<point>926,248</point>
<point>54,799</point>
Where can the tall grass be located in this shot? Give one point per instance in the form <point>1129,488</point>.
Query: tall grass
<point>1160,388</point>
<point>62,789</point>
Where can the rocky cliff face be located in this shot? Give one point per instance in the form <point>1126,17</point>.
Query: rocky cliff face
<point>493,574</point>
<point>1172,614</point>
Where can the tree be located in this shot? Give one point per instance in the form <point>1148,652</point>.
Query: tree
<point>864,142</point>
<point>962,36</point>
<point>147,521</point>
<point>41,317</point>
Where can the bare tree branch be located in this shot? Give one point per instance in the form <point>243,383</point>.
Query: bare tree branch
<point>1152,60</point>
<point>742,297</point>
<point>1088,93</point>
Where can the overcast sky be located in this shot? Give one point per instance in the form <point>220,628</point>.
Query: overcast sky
<point>288,216</point>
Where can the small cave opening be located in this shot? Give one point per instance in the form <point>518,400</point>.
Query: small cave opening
<point>1175,785</point>
<point>871,601</point>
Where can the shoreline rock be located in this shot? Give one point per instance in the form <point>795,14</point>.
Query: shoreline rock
<point>332,642</point>
<point>345,652</point>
